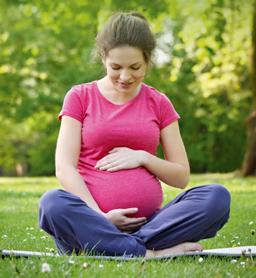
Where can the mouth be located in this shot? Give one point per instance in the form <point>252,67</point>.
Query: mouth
<point>125,84</point>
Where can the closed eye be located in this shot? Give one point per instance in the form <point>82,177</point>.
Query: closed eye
<point>135,68</point>
<point>118,67</point>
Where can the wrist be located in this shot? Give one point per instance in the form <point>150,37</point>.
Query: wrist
<point>144,157</point>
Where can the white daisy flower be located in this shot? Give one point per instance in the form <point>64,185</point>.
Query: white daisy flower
<point>45,268</point>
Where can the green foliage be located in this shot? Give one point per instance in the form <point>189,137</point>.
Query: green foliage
<point>210,83</point>
<point>46,47</point>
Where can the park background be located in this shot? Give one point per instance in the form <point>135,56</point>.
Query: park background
<point>203,62</point>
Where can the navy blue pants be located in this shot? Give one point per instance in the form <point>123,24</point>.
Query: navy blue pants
<point>195,214</point>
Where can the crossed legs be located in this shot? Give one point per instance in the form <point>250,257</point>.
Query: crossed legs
<point>193,215</point>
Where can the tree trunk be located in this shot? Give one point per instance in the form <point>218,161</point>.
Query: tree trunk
<point>249,164</point>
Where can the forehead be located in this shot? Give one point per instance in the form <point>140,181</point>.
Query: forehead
<point>125,55</point>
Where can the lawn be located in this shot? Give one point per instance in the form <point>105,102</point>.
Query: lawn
<point>19,230</point>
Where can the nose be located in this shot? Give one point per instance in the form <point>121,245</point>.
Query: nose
<point>125,75</point>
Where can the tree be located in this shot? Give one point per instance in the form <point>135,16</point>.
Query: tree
<point>209,75</point>
<point>249,164</point>
<point>46,48</point>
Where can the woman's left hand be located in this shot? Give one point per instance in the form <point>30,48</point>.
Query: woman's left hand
<point>121,158</point>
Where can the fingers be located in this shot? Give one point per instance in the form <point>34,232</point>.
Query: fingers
<point>134,221</point>
<point>108,158</point>
<point>131,227</point>
<point>116,168</point>
<point>110,164</point>
<point>125,223</point>
<point>129,211</point>
<point>114,150</point>
<point>104,161</point>
<point>107,166</point>
<point>131,223</point>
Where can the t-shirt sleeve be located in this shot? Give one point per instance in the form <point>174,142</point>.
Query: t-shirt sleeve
<point>168,113</point>
<point>73,105</point>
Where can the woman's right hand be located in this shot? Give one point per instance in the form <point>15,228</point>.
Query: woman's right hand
<point>124,223</point>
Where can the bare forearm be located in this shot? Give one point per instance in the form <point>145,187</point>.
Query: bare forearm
<point>72,182</point>
<point>170,173</point>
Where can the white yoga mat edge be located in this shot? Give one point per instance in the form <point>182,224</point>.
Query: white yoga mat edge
<point>241,251</point>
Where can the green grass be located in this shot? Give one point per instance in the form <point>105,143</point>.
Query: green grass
<point>19,230</point>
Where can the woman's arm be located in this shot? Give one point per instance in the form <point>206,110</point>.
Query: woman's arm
<point>175,169</point>
<point>66,159</point>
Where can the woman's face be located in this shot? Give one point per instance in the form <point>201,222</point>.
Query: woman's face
<point>126,68</point>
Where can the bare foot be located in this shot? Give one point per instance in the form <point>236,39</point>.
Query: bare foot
<point>180,248</point>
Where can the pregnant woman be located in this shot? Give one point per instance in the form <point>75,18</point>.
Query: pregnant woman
<point>106,162</point>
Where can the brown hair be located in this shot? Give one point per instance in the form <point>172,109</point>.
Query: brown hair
<point>126,28</point>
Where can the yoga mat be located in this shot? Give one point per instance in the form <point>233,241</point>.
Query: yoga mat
<point>241,251</point>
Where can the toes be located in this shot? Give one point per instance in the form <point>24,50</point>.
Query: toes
<point>192,246</point>
<point>199,247</point>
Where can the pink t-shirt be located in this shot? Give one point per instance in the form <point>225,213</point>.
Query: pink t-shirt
<point>105,125</point>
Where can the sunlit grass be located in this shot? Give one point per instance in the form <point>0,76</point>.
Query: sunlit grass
<point>19,230</point>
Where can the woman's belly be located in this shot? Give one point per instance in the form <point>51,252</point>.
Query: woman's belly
<point>133,188</point>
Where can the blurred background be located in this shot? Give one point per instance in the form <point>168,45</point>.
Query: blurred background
<point>204,62</point>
